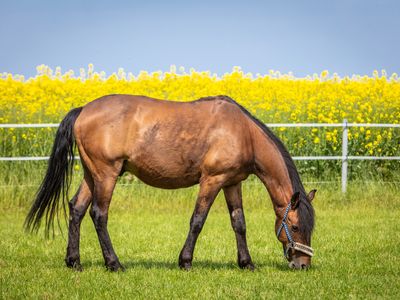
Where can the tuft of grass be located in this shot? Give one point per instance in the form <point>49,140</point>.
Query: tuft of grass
<point>356,243</point>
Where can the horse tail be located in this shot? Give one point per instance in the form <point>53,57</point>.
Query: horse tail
<point>58,177</point>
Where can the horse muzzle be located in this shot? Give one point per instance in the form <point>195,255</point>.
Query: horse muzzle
<point>298,265</point>
<point>298,255</point>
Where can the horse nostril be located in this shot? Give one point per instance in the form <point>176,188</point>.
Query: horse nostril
<point>304,266</point>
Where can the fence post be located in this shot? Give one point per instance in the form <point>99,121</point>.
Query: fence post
<point>344,156</point>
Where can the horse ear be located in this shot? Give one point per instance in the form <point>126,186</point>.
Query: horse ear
<point>311,195</point>
<point>295,200</point>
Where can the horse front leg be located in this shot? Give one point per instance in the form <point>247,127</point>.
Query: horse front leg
<point>209,189</point>
<point>233,196</point>
<point>77,209</point>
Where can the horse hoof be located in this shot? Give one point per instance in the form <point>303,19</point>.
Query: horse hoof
<point>74,264</point>
<point>185,266</point>
<point>247,266</point>
<point>115,267</point>
<point>77,267</point>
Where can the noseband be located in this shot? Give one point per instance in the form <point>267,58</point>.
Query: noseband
<point>292,244</point>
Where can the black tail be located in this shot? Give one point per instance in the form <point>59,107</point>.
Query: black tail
<point>58,176</point>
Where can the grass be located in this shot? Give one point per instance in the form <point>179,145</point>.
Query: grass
<point>356,243</point>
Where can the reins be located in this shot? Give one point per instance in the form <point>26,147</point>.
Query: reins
<point>292,244</point>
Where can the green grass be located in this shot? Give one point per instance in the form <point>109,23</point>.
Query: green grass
<point>356,243</point>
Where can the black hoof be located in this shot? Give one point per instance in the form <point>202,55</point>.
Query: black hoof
<point>115,267</point>
<point>246,265</point>
<point>185,264</point>
<point>74,264</point>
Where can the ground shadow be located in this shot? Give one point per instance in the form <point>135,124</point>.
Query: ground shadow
<point>284,267</point>
<point>201,264</point>
<point>197,264</point>
<point>168,265</point>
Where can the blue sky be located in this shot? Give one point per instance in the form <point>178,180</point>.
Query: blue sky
<point>305,37</point>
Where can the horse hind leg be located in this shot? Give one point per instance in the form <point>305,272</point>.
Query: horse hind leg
<point>103,189</point>
<point>77,209</point>
<point>233,196</point>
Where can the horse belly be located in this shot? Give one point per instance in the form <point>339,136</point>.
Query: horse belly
<point>163,172</point>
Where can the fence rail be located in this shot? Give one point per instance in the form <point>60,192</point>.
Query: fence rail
<point>344,157</point>
<point>47,125</point>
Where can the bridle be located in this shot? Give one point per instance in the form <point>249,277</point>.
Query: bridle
<point>292,244</point>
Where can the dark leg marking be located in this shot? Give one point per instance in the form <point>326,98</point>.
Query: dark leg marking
<point>207,194</point>
<point>99,214</point>
<point>77,209</point>
<point>233,196</point>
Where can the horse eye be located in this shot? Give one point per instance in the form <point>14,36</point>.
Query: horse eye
<point>295,228</point>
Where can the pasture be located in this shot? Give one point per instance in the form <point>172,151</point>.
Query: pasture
<point>355,241</point>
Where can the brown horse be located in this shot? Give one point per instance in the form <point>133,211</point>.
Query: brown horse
<point>213,142</point>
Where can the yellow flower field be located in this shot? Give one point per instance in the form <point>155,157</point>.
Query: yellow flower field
<point>273,98</point>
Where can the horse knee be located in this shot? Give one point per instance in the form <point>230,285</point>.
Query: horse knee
<point>237,221</point>
<point>196,224</point>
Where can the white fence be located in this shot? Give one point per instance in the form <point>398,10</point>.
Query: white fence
<point>345,157</point>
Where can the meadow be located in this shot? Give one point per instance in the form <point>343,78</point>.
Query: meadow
<point>356,239</point>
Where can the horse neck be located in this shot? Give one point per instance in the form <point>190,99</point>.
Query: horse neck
<point>271,169</point>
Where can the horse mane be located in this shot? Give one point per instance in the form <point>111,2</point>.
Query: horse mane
<point>305,210</point>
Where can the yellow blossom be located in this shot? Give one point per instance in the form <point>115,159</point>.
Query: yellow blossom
<point>273,98</point>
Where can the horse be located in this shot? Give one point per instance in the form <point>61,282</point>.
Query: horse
<point>214,142</point>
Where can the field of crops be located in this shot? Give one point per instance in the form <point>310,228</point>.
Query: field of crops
<point>273,98</point>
